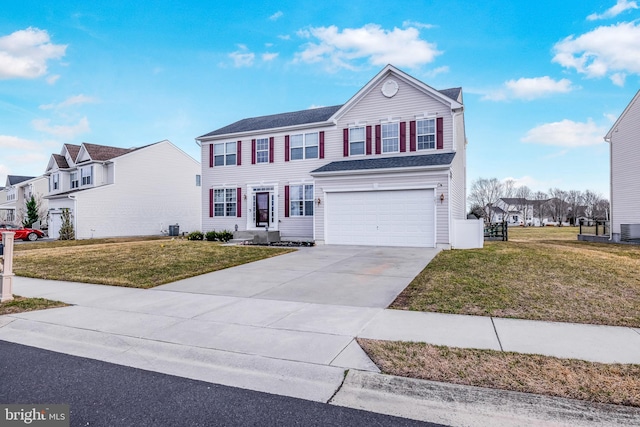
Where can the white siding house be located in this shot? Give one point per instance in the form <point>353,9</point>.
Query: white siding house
<point>15,195</point>
<point>113,191</point>
<point>624,141</point>
<point>386,168</point>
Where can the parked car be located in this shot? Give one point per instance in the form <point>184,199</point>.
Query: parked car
<point>22,233</point>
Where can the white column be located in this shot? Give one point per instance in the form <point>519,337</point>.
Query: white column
<point>6,276</point>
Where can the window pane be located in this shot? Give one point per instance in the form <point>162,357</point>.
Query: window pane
<point>231,195</point>
<point>308,208</point>
<point>262,157</point>
<point>231,147</point>
<point>218,196</point>
<point>219,209</point>
<point>296,153</point>
<point>357,148</point>
<point>308,192</point>
<point>218,161</point>
<point>262,144</point>
<point>298,191</point>
<point>231,159</point>
<point>311,152</point>
<point>356,134</point>
<point>231,209</point>
<point>296,208</point>
<point>295,140</point>
<point>311,139</point>
<point>218,148</point>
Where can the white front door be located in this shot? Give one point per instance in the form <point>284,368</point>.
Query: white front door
<point>262,210</point>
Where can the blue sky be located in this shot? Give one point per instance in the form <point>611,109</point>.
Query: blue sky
<point>543,81</point>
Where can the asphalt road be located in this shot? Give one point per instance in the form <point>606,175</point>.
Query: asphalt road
<point>104,394</point>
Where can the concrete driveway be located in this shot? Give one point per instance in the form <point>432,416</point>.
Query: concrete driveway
<point>357,276</point>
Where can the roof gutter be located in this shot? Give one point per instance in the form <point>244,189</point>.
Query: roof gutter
<point>381,170</point>
<point>202,139</point>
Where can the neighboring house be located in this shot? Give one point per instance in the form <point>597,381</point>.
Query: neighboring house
<point>386,168</point>
<point>113,191</point>
<point>624,144</point>
<point>17,192</point>
<point>518,210</point>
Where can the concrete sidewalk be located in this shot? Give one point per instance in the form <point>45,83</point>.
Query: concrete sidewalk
<point>284,334</point>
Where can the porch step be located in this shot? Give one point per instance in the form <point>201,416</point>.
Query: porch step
<point>256,236</point>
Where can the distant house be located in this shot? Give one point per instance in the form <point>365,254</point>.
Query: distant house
<point>517,210</point>
<point>112,191</point>
<point>624,145</point>
<point>388,167</point>
<point>17,192</point>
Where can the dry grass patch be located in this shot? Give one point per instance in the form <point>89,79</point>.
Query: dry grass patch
<point>533,278</point>
<point>21,304</point>
<point>576,379</point>
<point>136,264</point>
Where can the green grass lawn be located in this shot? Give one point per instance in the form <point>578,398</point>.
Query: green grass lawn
<point>21,304</point>
<point>137,263</point>
<point>541,273</point>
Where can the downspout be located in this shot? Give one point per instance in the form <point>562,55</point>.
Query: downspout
<point>610,188</point>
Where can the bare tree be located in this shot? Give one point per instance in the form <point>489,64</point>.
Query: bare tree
<point>574,204</point>
<point>485,192</point>
<point>508,188</point>
<point>590,200</point>
<point>523,204</point>
<point>557,204</point>
<point>602,210</point>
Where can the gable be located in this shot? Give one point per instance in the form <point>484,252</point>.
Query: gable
<point>631,115</point>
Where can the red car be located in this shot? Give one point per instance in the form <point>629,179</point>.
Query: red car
<point>22,233</point>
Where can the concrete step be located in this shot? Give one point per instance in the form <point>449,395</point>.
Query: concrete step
<point>258,236</point>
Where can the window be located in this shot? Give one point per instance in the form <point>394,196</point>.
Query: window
<point>390,138</point>
<point>74,179</point>
<point>224,202</point>
<point>198,180</point>
<point>86,175</point>
<point>426,134</point>
<point>55,181</point>
<point>301,200</point>
<point>224,154</point>
<point>304,146</point>
<point>356,141</point>
<point>262,150</point>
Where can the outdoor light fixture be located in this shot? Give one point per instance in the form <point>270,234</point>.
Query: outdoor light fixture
<point>318,201</point>
<point>441,197</point>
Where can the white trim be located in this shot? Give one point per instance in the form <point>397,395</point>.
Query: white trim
<point>279,130</point>
<point>382,170</point>
<point>274,196</point>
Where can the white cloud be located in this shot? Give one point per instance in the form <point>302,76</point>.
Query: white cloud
<point>371,43</point>
<point>24,54</point>
<point>65,132</point>
<point>52,79</point>
<point>276,16</point>
<point>269,56</point>
<point>609,50</point>
<point>618,79</point>
<point>419,25</point>
<point>8,142</point>
<point>242,57</point>
<point>436,71</point>
<point>615,10</point>
<point>529,88</point>
<point>73,100</point>
<point>284,37</point>
<point>566,133</point>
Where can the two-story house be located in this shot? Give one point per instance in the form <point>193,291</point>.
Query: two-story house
<point>17,192</point>
<point>112,191</point>
<point>624,145</point>
<point>388,167</point>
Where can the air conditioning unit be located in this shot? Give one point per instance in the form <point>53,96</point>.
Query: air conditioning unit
<point>629,232</point>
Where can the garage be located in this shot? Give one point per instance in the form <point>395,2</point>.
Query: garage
<point>381,218</point>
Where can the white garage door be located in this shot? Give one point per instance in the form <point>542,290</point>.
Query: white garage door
<point>381,218</point>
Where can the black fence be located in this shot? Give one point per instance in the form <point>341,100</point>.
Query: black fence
<point>497,231</point>
<point>595,227</point>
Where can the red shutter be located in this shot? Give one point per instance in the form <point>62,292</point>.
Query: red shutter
<point>239,152</point>
<point>271,140</point>
<point>210,155</point>
<point>211,203</point>
<point>253,151</point>
<point>286,148</point>
<point>439,134</point>
<point>368,140</point>
<point>286,201</point>
<point>239,203</point>
<point>345,142</point>
<point>322,144</point>
<point>403,137</point>
<point>378,139</point>
<point>412,135</point>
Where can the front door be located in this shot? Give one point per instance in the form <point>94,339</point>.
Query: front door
<point>262,209</point>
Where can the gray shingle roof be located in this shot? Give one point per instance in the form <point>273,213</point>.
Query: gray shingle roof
<point>61,161</point>
<point>452,93</point>
<point>103,152</point>
<point>440,159</point>
<point>15,179</point>
<point>312,115</point>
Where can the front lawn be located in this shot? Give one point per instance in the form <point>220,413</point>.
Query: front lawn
<point>21,304</point>
<point>541,273</point>
<point>132,263</point>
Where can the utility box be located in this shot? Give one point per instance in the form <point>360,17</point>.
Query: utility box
<point>174,230</point>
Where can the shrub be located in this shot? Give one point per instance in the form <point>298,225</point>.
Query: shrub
<point>225,236</point>
<point>211,236</point>
<point>195,235</point>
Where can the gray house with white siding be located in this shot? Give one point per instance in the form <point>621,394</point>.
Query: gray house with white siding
<point>624,145</point>
<point>386,168</point>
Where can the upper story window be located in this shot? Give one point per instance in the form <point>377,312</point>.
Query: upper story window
<point>390,137</point>
<point>262,150</point>
<point>304,146</point>
<point>86,175</point>
<point>356,141</point>
<point>301,200</point>
<point>224,202</point>
<point>198,180</point>
<point>55,181</point>
<point>224,154</point>
<point>74,179</point>
<point>426,134</point>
